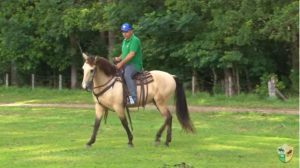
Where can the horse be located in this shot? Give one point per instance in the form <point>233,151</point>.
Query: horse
<point>99,76</point>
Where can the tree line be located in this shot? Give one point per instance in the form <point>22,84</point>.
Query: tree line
<point>226,47</point>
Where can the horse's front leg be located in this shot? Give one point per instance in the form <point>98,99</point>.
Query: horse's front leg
<point>121,114</point>
<point>99,111</point>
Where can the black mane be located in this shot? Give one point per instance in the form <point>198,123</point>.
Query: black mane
<point>102,63</point>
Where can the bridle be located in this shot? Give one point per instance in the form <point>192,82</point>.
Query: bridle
<point>104,83</point>
<point>107,85</point>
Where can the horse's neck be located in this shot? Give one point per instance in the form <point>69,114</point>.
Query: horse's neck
<point>101,78</point>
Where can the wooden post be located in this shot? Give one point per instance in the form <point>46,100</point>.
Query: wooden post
<point>228,82</point>
<point>32,81</point>
<point>273,91</point>
<point>280,95</point>
<point>193,83</point>
<point>272,87</point>
<point>60,82</point>
<point>230,92</point>
<point>6,80</point>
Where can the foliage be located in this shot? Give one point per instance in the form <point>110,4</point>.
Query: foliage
<point>181,37</point>
<point>294,77</point>
<point>262,89</point>
<point>281,25</point>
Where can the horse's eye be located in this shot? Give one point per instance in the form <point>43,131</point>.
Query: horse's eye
<point>92,71</point>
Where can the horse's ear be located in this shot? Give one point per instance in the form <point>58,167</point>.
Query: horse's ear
<point>97,58</point>
<point>85,56</point>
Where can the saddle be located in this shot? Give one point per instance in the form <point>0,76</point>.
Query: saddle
<point>141,79</point>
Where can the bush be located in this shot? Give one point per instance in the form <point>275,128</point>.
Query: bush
<point>262,88</point>
<point>294,77</point>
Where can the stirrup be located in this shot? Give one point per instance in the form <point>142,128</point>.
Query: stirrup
<point>130,100</point>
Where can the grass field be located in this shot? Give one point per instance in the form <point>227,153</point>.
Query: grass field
<point>55,137</point>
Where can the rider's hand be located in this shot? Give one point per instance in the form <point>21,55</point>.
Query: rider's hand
<point>116,60</point>
<point>119,66</point>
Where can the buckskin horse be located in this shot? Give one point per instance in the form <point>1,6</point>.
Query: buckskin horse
<point>99,76</point>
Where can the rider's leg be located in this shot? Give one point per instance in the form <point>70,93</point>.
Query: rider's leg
<point>129,72</point>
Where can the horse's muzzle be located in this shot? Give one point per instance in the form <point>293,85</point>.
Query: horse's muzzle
<point>87,86</point>
<point>88,89</point>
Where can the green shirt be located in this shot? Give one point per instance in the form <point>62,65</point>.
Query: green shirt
<point>133,44</point>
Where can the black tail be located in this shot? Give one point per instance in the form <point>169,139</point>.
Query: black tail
<point>181,108</point>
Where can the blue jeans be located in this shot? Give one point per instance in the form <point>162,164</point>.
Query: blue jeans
<point>129,72</point>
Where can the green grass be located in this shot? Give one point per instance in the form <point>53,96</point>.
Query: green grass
<point>43,95</point>
<point>55,137</point>
<point>242,100</point>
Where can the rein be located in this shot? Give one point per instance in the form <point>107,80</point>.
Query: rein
<point>105,89</point>
<point>104,83</point>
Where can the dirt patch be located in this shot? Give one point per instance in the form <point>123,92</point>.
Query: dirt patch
<point>151,107</point>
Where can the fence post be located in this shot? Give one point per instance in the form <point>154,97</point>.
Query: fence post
<point>193,83</point>
<point>60,82</point>
<point>32,81</point>
<point>272,87</point>
<point>6,80</point>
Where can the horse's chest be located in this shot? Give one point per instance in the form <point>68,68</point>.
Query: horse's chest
<point>109,98</point>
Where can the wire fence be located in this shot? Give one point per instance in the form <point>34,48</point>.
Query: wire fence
<point>34,80</point>
<point>63,81</point>
<point>58,81</point>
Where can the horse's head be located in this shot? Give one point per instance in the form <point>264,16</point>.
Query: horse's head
<point>89,69</point>
<point>93,64</point>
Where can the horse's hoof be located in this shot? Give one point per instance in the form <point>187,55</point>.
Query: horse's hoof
<point>156,143</point>
<point>130,145</point>
<point>166,144</point>
<point>88,146</point>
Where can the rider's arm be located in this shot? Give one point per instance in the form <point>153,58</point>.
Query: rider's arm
<point>128,57</point>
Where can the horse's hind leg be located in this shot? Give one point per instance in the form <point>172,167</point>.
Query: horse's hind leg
<point>99,110</point>
<point>169,130</point>
<point>167,124</point>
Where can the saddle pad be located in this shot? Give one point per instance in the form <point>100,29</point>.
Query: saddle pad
<point>142,78</point>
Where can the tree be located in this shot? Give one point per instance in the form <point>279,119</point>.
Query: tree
<point>228,45</point>
<point>18,36</point>
<point>282,26</point>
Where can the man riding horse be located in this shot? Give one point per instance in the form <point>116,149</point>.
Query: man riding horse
<point>130,60</point>
<point>100,77</point>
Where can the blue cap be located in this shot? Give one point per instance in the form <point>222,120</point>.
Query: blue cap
<point>126,27</point>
